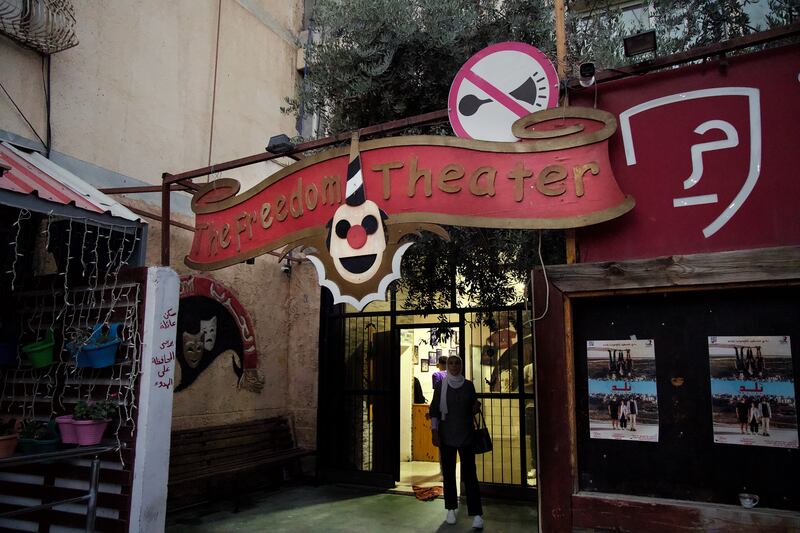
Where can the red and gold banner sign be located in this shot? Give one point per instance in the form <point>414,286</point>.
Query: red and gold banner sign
<point>559,176</point>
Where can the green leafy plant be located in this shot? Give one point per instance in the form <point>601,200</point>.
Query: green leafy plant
<point>8,427</point>
<point>95,410</point>
<point>34,429</point>
<point>85,338</point>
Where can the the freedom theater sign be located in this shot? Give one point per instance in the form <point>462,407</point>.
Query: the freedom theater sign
<point>355,210</point>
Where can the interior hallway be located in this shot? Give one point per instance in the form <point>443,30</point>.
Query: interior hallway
<point>421,474</point>
<point>333,508</point>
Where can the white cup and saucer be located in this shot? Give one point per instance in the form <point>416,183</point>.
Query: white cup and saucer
<point>748,501</point>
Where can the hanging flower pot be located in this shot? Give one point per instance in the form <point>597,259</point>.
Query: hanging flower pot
<point>89,432</point>
<point>67,429</point>
<point>40,353</point>
<point>99,350</point>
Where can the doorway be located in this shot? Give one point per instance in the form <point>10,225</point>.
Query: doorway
<point>366,409</point>
<point>420,350</point>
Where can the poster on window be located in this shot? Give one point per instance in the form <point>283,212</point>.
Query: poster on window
<point>752,391</point>
<point>623,403</point>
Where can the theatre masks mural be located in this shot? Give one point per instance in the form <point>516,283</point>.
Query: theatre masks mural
<point>214,330</point>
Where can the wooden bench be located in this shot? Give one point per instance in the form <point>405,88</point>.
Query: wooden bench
<point>219,453</point>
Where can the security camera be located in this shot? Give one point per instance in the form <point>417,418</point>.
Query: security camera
<point>286,268</point>
<point>587,71</point>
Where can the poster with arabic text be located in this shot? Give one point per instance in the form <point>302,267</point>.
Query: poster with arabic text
<point>623,400</point>
<point>752,391</point>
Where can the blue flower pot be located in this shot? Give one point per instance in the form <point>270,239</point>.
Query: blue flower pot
<point>94,354</point>
<point>98,355</point>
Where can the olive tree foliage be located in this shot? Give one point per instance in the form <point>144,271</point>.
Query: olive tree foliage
<point>381,60</point>
<point>596,28</point>
<point>372,61</point>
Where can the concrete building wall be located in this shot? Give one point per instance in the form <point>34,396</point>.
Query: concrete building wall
<point>21,75</point>
<point>157,87</point>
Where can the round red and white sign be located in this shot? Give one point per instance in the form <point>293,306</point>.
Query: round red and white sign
<point>498,85</point>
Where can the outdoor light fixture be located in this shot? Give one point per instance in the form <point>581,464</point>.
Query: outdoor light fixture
<point>586,71</point>
<point>286,267</point>
<point>640,43</point>
<point>279,144</point>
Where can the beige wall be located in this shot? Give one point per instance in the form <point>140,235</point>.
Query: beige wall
<point>285,314</point>
<point>21,75</point>
<point>138,97</point>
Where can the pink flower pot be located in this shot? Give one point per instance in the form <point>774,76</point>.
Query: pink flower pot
<point>67,429</point>
<point>89,432</point>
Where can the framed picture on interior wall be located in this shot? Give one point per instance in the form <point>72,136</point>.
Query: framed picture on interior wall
<point>454,340</point>
<point>432,358</point>
<point>438,353</point>
<point>415,355</point>
<point>423,366</point>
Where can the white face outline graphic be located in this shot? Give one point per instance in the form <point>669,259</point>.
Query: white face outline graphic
<point>208,328</point>
<point>731,140</point>
<point>357,241</point>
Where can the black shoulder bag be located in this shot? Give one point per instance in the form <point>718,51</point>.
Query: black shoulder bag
<point>481,439</point>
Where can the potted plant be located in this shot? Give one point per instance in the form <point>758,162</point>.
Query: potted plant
<point>8,437</point>
<point>90,420</point>
<point>67,429</point>
<point>98,349</point>
<point>37,436</point>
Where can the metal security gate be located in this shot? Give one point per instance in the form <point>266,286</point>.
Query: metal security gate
<point>359,401</point>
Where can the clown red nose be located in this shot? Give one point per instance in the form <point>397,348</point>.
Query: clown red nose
<point>357,236</point>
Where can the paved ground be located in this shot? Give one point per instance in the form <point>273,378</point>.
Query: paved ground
<point>332,508</point>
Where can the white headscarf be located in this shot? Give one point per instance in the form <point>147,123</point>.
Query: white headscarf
<point>450,380</point>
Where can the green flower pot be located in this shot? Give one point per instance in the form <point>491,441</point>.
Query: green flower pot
<point>40,353</point>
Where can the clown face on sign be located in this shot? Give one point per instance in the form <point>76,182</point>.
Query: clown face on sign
<point>357,239</point>
<point>362,243</point>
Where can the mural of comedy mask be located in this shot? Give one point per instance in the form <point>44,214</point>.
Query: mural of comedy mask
<point>215,332</point>
<point>206,331</point>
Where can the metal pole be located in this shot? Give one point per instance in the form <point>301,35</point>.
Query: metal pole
<point>165,216</point>
<point>561,39</point>
<point>91,505</point>
<point>561,52</point>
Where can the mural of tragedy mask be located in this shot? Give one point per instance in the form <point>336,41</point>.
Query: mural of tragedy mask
<point>192,348</point>
<point>357,240</point>
<point>202,316</point>
<point>208,328</point>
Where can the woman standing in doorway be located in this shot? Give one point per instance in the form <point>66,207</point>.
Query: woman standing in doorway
<point>454,403</point>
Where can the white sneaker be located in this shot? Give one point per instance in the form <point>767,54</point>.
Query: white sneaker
<point>477,522</point>
<point>451,517</point>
